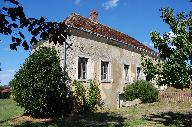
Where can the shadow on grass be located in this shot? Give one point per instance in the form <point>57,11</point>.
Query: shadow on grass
<point>85,120</point>
<point>172,118</point>
<point>6,120</point>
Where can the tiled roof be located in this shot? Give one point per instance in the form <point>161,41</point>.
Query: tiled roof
<point>86,24</point>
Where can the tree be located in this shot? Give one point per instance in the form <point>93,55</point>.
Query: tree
<point>40,86</point>
<point>13,20</point>
<point>175,51</point>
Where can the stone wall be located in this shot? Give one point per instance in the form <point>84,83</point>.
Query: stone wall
<point>98,49</point>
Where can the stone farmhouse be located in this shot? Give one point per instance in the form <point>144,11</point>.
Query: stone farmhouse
<point>101,53</point>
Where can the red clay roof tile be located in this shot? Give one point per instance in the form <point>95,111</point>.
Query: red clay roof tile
<point>81,22</point>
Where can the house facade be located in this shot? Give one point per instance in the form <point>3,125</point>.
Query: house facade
<point>98,52</point>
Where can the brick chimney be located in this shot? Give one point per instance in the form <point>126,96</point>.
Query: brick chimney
<point>93,15</point>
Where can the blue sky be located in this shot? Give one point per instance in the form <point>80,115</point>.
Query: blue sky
<point>136,18</point>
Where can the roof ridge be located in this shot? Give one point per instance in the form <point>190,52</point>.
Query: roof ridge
<point>104,25</point>
<point>123,37</point>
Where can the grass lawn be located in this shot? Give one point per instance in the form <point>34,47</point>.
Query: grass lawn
<point>8,110</point>
<point>145,115</point>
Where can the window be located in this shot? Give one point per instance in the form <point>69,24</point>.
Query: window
<point>138,72</point>
<point>126,70</point>
<point>104,70</point>
<point>82,68</point>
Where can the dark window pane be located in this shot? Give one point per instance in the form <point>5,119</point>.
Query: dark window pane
<point>104,70</point>
<point>82,68</point>
<point>126,69</point>
<point>138,72</point>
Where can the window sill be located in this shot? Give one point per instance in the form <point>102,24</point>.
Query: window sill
<point>105,81</point>
<point>127,83</point>
<point>83,80</point>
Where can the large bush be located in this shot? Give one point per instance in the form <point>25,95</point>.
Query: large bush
<point>40,85</point>
<point>143,90</point>
<point>86,99</point>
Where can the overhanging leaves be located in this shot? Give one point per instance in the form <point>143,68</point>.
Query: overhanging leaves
<point>13,20</point>
<point>174,68</point>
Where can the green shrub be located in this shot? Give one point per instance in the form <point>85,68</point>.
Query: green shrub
<point>40,85</point>
<point>5,92</point>
<point>86,99</point>
<point>143,90</point>
<point>1,87</point>
<point>5,95</point>
<point>79,96</point>
<point>93,96</point>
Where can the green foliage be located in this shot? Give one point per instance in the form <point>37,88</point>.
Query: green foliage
<point>79,96</point>
<point>93,96</point>
<point>1,87</point>
<point>175,50</point>
<point>150,70</point>
<point>86,99</point>
<point>142,90</point>
<point>5,95</point>
<point>4,92</point>
<point>40,86</point>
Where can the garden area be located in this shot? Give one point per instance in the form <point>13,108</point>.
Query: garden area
<point>55,104</point>
<point>149,115</point>
<point>42,94</point>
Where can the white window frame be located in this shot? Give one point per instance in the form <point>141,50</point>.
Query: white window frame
<point>81,75</point>
<point>126,76</point>
<point>107,77</point>
<point>138,77</point>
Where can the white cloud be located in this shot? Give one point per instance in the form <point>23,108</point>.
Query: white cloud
<point>171,34</point>
<point>172,46</point>
<point>110,4</point>
<point>77,2</point>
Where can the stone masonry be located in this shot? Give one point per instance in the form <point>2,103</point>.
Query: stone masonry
<point>96,48</point>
